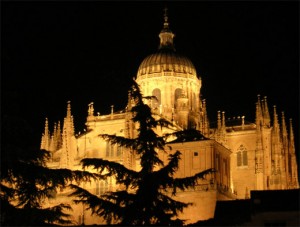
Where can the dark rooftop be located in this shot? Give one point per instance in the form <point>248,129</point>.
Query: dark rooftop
<point>188,135</point>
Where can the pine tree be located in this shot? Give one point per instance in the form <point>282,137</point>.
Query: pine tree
<point>143,199</point>
<point>26,182</point>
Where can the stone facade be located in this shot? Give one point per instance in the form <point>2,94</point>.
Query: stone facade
<point>246,155</point>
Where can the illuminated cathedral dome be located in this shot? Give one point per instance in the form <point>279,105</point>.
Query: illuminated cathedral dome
<point>173,80</point>
<point>166,62</point>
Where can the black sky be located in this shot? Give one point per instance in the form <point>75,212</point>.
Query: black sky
<point>52,52</point>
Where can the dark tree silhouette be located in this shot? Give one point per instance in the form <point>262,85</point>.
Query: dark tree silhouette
<point>142,199</point>
<point>25,181</point>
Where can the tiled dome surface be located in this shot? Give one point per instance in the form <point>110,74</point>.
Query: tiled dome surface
<point>166,60</point>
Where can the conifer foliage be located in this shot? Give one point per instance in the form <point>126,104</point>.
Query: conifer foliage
<point>142,198</point>
<point>26,183</point>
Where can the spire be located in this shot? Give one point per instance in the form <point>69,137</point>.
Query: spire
<point>258,117</point>
<point>129,104</point>
<point>284,134</point>
<point>283,125</point>
<point>259,151</point>
<point>291,139</point>
<point>68,140</point>
<point>276,132</point>
<point>69,121</point>
<point>45,143</point>
<point>275,123</point>
<point>243,122</point>
<point>166,23</point>
<point>91,109</point>
<point>259,157</point>
<point>111,111</point>
<point>206,121</point>
<point>221,128</point>
<point>166,35</point>
<point>285,148</point>
<point>223,122</point>
<point>203,120</point>
<point>291,135</point>
<point>276,149</point>
<point>53,143</point>
<point>293,160</point>
<point>69,110</point>
<point>58,135</point>
<point>266,114</point>
<point>219,120</point>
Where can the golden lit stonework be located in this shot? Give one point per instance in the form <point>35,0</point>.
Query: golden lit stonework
<point>172,78</point>
<point>247,155</point>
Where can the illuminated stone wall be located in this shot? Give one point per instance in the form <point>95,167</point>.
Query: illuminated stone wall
<point>198,156</point>
<point>171,88</point>
<point>242,170</point>
<point>246,155</point>
<point>234,178</point>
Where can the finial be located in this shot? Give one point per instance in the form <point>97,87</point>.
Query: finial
<point>223,119</point>
<point>68,109</point>
<point>243,120</point>
<point>112,109</point>
<point>91,109</point>
<point>275,115</point>
<point>166,36</point>
<point>258,98</point>
<point>219,120</point>
<point>166,23</point>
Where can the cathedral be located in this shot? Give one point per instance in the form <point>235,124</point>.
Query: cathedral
<point>246,155</point>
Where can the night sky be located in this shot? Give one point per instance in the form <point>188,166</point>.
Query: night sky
<point>52,52</point>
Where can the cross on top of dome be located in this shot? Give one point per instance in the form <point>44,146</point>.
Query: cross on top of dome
<point>166,23</point>
<point>166,35</point>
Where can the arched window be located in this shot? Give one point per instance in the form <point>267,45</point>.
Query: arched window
<point>242,159</point>
<point>177,94</point>
<point>155,103</point>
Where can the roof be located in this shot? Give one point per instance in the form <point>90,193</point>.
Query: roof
<point>166,60</point>
<point>235,124</point>
<point>188,135</point>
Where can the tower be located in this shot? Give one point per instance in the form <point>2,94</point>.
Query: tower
<point>173,79</point>
<point>68,141</point>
